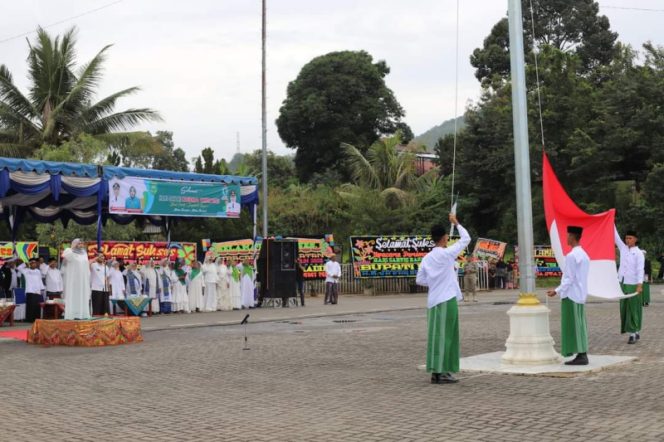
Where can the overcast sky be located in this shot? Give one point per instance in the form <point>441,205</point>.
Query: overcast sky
<point>198,61</point>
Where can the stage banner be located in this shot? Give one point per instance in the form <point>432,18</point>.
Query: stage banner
<point>487,249</point>
<point>23,249</point>
<point>139,196</point>
<point>142,251</point>
<point>545,263</point>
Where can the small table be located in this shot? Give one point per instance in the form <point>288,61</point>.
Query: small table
<point>7,313</point>
<point>128,310</point>
<point>58,308</point>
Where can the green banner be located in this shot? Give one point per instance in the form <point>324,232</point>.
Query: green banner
<point>138,196</point>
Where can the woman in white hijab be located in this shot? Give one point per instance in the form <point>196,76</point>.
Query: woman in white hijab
<point>196,284</point>
<point>224,301</point>
<point>76,281</point>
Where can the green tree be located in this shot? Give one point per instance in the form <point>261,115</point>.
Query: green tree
<point>573,26</point>
<point>280,168</point>
<point>340,97</point>
<point>171,158</point>
<point>61,102</point>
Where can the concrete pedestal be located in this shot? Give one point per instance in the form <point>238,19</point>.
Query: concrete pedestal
<point>529,342</point>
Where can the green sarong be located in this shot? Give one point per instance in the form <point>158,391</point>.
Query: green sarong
<point>573,330</point>
<point>443,338</point>
<point>631,310</point>
<point>646,293</point>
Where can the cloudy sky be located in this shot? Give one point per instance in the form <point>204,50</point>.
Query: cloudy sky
<point>198,61</point>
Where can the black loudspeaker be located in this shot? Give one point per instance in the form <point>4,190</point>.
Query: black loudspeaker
<point>276,268</point>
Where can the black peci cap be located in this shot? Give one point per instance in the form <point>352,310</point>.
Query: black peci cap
<point>575,230</point>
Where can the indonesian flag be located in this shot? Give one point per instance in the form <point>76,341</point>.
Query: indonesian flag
<point>597,240</point>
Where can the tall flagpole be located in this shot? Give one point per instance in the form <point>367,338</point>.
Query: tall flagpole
<point>264,121</point>
<point>529,342</point>
<point>521,150</point>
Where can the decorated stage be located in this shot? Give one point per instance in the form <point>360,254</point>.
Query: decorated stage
<point>96,332</point>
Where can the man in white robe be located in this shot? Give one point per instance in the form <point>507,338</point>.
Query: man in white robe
<point>77,289</point>
<point>211,278</point>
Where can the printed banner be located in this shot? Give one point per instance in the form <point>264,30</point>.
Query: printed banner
<point>138,196</point>
<point>236,250</point>
<point>142,251</point>
<point>545,263</point>
<point>312,252</point>
<point>312,255</point>
<point>487,249</point>
<point>391,256</point>
<point>23,249</point>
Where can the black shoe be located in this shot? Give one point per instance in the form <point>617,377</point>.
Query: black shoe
<point>435,378</point>
<point>638,336</point>
<point>447,378</point>
<point>580,359</point>
<point>646,304</point>
<point>632,340</point>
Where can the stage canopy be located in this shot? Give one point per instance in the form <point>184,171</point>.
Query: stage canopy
<point>47,191</point>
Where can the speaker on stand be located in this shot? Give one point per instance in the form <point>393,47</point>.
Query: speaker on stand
<point>277,272</point>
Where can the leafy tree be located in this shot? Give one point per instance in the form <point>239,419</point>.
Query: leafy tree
<point>61,101</point>
<point>171,158</point>
<point>280,168</point>
<point>573,26</point>
<point>340,97</point>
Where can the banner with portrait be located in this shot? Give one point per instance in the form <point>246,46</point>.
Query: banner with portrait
<point>140,196</point>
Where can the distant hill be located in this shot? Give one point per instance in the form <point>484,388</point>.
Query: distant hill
<point>430,137</point>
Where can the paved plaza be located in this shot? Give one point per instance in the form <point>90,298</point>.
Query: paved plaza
<point>328,373</point>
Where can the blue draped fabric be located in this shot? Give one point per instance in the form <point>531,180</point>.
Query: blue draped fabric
<point>111,172</point>
<point>59,194</point>
<point>50,167</point>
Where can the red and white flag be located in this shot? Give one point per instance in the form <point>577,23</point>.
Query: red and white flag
<point>597,240</point>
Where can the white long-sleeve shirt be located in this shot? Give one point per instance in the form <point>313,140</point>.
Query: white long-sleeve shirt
<point>53,280</point>
<point>438,272</point>
<point>332,269</point>
<point>632,262</point>
<point>33,280</point>
<point>574,284</point>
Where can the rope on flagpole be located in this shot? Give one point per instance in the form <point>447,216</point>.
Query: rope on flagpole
<point>537,80</point>
<point>456,115</point>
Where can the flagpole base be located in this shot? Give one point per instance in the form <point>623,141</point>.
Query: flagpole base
<point>529,342</point>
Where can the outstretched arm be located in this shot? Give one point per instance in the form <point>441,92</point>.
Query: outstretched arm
<point>619,241</point>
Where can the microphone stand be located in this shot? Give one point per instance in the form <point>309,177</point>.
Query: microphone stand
<point>244,322</point>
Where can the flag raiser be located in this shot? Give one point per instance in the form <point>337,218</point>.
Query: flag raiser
<point>597,240</point>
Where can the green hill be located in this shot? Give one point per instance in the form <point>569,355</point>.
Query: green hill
<point>430,137</point>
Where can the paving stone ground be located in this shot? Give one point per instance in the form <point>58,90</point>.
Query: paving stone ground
<point>318,379</point>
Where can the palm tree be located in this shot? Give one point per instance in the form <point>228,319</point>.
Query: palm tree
<point>386,170</point>
<point>61,101</point>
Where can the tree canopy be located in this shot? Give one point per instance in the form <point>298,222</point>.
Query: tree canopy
<point>340,97</point>
<point>61,103</point>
